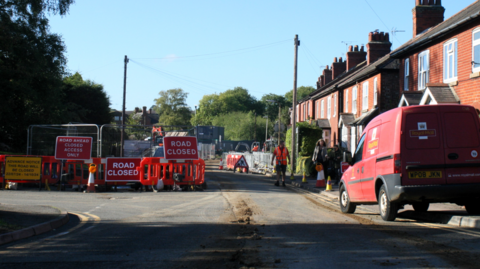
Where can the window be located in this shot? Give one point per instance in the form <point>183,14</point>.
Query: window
<point>118,118</point>
<point>346,102</point>
<point>407,74</point>
<point>450,50</point>
<point>304,112</point>
<point>359,152</point>
<point>298,116</point>
<point>375,93</point>
<point>365,96</point>
<point>322,109</point>
<point>476,50</point>
<point>354,100</point>
<point>335,106</point>
<point>329,107</point>
<point>316,114</point>
<point>423,69</point>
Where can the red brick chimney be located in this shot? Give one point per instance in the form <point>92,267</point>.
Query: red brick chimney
<point>327,75</point>
<point>338,67</point>
<point>355,56</point>
<point>378,46</point>
<point>426,14</point>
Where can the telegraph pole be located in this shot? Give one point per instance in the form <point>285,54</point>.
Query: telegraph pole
<point>294,114</point>
<point>279,123</point>
<point>255,129</point>
<point>123,109</point>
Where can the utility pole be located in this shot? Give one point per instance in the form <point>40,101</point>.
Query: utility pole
<point>123,109</point>
<point>255,129</point>
<point>279,123</point>
<point>294,114</point>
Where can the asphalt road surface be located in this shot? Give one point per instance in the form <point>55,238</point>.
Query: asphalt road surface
<point>240,221</point>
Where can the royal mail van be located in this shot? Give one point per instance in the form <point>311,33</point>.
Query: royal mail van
<point>416,155</point>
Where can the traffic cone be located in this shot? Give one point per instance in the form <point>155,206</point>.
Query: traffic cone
<point>220,167</point>
<point>329,184</point>
<point>91,181</point>
<point>320,180</point>
<point>304,179</point>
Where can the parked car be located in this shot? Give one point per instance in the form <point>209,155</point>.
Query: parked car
<point>416,155</point>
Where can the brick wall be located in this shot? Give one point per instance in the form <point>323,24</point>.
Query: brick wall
<point>467,88</point>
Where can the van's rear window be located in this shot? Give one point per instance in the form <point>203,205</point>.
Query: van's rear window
<point>461,130</point>
<point>422,131</point>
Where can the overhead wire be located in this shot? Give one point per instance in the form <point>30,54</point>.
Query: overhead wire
<point>388,28</point>
<point>229,53</point>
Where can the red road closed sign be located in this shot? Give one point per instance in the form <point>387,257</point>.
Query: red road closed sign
<point>180,148</point>
<point>123,169</point>
<point>73,148</point>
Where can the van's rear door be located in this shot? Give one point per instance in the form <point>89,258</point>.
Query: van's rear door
<point>462,144</point>
<point>422,153</point>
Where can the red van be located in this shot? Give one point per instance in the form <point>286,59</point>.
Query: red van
<point>416,155</point>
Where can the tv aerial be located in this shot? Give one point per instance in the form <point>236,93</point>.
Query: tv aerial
<point>395,31</point>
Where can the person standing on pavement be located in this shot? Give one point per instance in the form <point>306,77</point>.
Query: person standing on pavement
<point>320,153</point>
<point>336,156</point>
<point>281,155</point>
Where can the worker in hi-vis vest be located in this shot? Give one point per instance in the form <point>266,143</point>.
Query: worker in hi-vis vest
<point>281,155</point>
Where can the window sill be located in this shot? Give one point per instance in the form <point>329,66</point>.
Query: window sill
<point>475,75</point>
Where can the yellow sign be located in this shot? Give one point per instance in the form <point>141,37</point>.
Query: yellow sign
<point>23,168</point>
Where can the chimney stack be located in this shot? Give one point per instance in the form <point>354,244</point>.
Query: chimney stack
<point>338,67</point>
<point>144,110</point>
<point>355,56</point>
<point>426,14</point>
<point>137,110</point>
<point>378,46</point>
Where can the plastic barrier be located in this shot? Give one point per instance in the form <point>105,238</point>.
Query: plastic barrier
<point>151,169</point>
<point>171,172</point>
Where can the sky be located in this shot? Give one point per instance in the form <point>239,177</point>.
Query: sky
<point>210,46</point>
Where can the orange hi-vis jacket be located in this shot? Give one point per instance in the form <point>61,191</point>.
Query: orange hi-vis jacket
<point>281,155</point>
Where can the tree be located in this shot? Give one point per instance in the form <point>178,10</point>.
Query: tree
<point>236,100</point>
<point>172,108</point>
<point>302,92</point>
<point>85,101</point>
<point>32,64</point>
<point>241,125</point>
<point>271,108</point>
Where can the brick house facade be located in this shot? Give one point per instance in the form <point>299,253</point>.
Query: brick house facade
<point>442,61</point>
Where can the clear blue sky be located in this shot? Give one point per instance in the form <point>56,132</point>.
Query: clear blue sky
<point>234,43</point>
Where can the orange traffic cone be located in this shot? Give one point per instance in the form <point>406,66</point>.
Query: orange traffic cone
<point>220,166</point>
<point>320,178</point>
<point>91,182</point>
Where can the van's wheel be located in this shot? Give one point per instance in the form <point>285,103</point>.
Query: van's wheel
<point>473,208</point>
<point>388,210</point>
<point>421,206</point>
<point>345,205</point>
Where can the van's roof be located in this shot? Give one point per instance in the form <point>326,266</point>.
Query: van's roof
<point>390,114</point>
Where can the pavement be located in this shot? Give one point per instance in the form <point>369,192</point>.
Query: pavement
<point>443,213</point>
<point>23,221</point>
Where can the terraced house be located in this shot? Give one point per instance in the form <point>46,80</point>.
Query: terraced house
<point>440,64</point>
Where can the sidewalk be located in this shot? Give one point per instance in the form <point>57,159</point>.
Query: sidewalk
<point>443,213</point>
<point>23,221</point>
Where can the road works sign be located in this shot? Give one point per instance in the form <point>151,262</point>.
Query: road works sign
<point>123,169</point>
<point>23,168</point>
<point>73,148</point>
<point>180,148</point>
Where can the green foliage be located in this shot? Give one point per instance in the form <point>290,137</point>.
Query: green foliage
<point>236,100</point>
<point>305,164</point>
<point>241,126</point>
<point>309,135</point>
<point>302,92</point>
<point>172,108</point>
<point>32,64</point>
<point>85,101</point>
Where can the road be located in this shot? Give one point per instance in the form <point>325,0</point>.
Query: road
<point>240,221</point>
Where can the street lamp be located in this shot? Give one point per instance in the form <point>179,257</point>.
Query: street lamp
<point>279,118</point>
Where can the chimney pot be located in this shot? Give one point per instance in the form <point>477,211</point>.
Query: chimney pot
<point>356,48</point>
<point>362,49</point>
<point>350,48</point>
<point>335,60</point>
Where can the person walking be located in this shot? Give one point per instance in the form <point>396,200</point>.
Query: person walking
<point>320,153</point>
<point>281,155</point>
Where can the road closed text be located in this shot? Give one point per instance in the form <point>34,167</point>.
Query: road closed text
<point>177,148</point>
<point>123,169</point>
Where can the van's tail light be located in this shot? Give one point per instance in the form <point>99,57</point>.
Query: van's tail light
<point>397,164</point>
